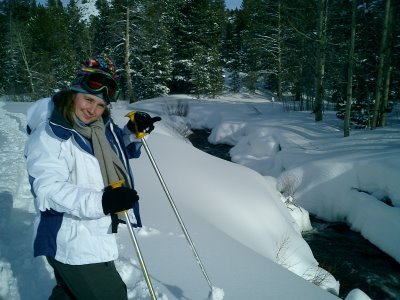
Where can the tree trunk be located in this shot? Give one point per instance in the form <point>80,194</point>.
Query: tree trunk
<point>321,48</point>
<point>25,59</point>
<point>127,57</point>
<point>385,98</point>
<point>383,60</point>
<point>346,125</point>
<point>387,72</point>
<point>279,94</point>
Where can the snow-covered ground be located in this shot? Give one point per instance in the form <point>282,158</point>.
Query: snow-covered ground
<point>243,217</point>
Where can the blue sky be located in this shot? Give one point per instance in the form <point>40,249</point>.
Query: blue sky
<point>233,3</point>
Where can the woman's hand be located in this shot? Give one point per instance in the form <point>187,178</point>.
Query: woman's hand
<point>118,199</point>
<point>143,122</point>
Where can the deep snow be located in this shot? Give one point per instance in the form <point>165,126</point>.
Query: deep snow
<point>243,217</point>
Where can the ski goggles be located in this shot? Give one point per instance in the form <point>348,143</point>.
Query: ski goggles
<point>96,83</point>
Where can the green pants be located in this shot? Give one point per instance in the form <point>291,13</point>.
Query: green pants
<point>99,281</point>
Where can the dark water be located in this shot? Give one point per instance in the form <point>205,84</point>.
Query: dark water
<point>354,261</point>
<point>199,140</point>
<point>351,259</point>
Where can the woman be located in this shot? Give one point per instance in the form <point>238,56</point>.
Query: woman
<point>73,153</point>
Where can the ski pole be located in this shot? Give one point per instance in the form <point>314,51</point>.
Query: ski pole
<point>136,245</point>
<point>141,136</point>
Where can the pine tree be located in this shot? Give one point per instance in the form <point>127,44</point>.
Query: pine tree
<point>100,28</point>
<point>51,47</point>
<point>230,50</point>
<point>255,13</point>
<point>18,72</point>
<point>78,33</point>
<point>197,52</point>
<point>320,56</point>
<point>107,31</point>
<point>3,51</point>
<point>383,68</point>
<point>156,52</point>
<point>346,126</point>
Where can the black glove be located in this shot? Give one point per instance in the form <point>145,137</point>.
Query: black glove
<point>118,199</point>
<point>143,122</point>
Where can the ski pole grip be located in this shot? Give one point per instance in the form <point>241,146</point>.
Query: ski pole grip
<point>131,116</point>
<point>117,184</point>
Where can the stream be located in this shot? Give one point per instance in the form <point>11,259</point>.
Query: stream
<point>350,258</point>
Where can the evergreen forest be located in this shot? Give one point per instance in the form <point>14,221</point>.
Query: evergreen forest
<point>309,53</point>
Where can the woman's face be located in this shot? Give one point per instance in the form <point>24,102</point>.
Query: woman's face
<point>88,108</point>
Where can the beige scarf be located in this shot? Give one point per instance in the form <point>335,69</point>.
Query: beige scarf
<point>112,168</point>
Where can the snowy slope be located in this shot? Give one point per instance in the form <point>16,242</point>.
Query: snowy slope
<point>235,215</point>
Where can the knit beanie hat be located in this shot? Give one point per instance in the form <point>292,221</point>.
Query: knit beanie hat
<point>97,77</point>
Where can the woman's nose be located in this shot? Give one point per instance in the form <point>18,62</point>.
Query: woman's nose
<point>91,108</point>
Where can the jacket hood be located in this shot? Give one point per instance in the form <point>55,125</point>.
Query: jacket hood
<point>38,113</point>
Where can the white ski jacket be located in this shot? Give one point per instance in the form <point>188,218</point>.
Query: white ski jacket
<point>67,186</point>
